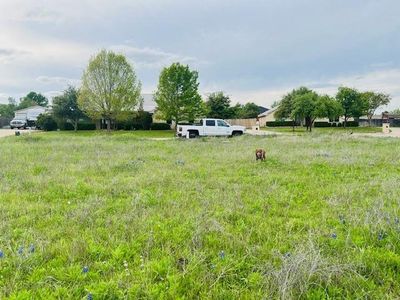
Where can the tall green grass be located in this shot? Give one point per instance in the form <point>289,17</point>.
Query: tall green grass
<point>187,219</point>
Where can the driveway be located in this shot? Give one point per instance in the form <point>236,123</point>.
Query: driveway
<point>395,132</point>
<point>9,132</point>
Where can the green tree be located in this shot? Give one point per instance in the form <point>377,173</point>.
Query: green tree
<point>352,103</point>
<point>248,111</point>
<point>218,106</point>
<point>374,101</point>
<point>110,88</point>
<point>395,112</point>
<point>177,95</point>
<point>7,110</point>
<point>285,105</point>
<point>66,109</point>
<point>32,99</point>
<point>305,108</point>
<point>328,107</point>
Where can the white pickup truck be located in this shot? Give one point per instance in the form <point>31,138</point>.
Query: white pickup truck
<point>209,127</point>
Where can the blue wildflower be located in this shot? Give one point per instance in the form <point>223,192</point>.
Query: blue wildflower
<point>31,248</point>
<point>381,235</point>
<point>89,296</point>
<point>20,250</point>
<point>334,235</point>
<point>1,254</point>
<point>222,254</point>
<point>180,162</point>
<point>287,255</point>
<point>85,269</point>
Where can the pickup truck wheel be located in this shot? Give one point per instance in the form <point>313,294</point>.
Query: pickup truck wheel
<point>193,134</point>
<point>237,133</point>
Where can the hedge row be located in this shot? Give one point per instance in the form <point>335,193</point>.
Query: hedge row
<point>316,124</point>
<point>281,124</point>
<point>327,124</point>
<point>160,126</point>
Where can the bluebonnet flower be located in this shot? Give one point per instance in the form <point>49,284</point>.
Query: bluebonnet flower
<point>20,250</point>
<point>287,255</point>
<point>85,269</point>
<point>334,235</point>
<point>180,162</point>
<point>31,248</point>
<point>1,254</point>
<point>396,220</point>
<point>89,296</point>
<point>381,235</point>
<point>222,254</point>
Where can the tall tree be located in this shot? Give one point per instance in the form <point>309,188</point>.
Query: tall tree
<point>110,88</point>
<point>374,101</point>
<point>304,107</point>
<point>32,99</point>
<point>248,111</point>
<point>285,105</point>
<point>352,103</point>
<point>7,110</point>
<point>177,95</point>
<point>218,106</point>
<point>395,112</point>
<point>65,107</point>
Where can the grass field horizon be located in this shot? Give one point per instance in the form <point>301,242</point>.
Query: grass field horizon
<point>123,216</point>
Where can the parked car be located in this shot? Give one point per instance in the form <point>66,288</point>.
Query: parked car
<point>209,127</point>
<point>20,124</point>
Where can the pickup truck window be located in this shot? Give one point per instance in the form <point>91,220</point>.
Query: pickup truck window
<point>222,123</point>
<point>210,122</point>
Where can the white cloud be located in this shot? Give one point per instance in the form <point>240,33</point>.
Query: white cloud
<point>49,80</point>
<point>153,58</point>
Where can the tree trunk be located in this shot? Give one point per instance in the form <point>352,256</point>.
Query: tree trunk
<point>369,120</point>
<point>294,123</point>
<point>345,122</point>
<point>75,125</point>
<point>108,125</point>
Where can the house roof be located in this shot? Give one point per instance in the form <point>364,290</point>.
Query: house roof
<point>267,113</point>
<point>29,108</point>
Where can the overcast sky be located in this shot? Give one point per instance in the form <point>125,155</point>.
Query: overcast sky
<point>254,50</point>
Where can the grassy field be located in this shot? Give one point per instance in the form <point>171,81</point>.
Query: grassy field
<point>121,216</point>
<point>325,130</point>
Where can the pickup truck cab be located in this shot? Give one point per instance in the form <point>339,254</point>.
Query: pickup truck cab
<point>209,127</point>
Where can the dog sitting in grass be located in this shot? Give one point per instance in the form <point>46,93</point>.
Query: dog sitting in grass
<point>260,154</point>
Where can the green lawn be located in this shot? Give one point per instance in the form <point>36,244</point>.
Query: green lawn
<point>188,219</point>
<point>325,130</point>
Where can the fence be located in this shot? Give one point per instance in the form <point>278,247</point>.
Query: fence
<point>248,123</point>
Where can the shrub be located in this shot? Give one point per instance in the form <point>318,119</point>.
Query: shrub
<point>140,121</point>
<point>322,124</point>
<point>352,124</point>
<point>46,122</point>
<point>160,126</point>
<point>281,124</point>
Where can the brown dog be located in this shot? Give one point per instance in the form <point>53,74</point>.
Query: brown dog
<point>260,154</point>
